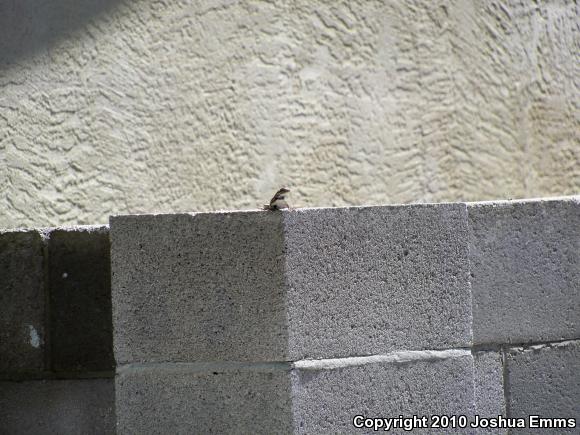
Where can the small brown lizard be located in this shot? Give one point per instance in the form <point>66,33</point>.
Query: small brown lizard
<point>278,201</point>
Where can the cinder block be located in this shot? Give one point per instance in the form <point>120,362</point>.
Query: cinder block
<point>80,297</point>
<point>326,400</point>
<point>525,270</point>
<point>320,396</point>
<point>544,380</point>
<point>79,406</point>
<point>22,302</point>
<point>193,398</point>
<point>279,286</point>
<point>199,287</point>
<point>489,392</point>
<point>368,280</point>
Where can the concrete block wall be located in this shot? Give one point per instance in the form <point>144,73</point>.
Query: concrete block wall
<point>307,284</point>
<point>298,321</point>
<point>294,321</point>
<point>56,359</point>
<point>525,283</point>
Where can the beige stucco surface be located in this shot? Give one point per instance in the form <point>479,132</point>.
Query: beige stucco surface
<point>150,106</point>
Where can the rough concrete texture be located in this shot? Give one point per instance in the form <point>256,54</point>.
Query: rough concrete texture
<point>525,270</point>
<point>266,286</point>
<point>22,302</point>
<point>369,280</point>
<point>178,399</point>
<point>80,300</point>
<point>271,398</point>
<point>544,380</point>
<point>57,407</point>
<point>132,106</point>
<point>326,401</point>
<point>198,287</point>
<point>489,392</point>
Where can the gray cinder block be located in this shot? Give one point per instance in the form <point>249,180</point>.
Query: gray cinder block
<point>57,407</point>
<point>326,399</point>
<point>22,302</point>
<point>320,396</point>
<point>279,286</point>
<point>199,287</point>
<point>489,393</point>
<point>367,280</point>
<point>80,296</point>
<point>544,380</point>
<point>525,270</point>
<point>197,398</point>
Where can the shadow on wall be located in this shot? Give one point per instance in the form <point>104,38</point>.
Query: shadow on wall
<point>30,26</point>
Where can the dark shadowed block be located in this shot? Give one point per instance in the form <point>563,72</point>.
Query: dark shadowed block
<point>80,296</point>
<point>76,406</point>
<point>22,302</point>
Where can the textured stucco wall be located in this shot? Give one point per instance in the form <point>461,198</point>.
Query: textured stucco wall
<point>134,106</point>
